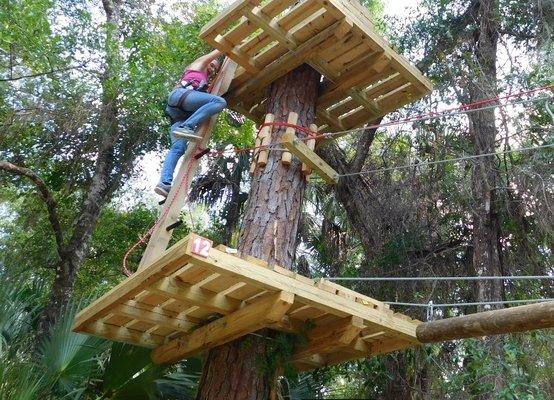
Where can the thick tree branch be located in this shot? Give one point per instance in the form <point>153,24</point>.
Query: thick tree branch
<point>35,75</point>
<point>46,196</point>
<point>363,147</point>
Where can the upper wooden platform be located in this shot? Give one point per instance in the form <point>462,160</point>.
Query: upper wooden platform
<point>184,303</point>
<point>364,77</point>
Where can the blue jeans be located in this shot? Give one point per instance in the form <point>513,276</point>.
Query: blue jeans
<point>197,108</point>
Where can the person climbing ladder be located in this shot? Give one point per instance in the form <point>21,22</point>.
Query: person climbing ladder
<point>188,106</point>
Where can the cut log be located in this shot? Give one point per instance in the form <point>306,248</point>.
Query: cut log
<point>496,322</point>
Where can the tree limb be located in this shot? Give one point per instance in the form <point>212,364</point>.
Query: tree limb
<point>363,147</point>
<point>52,71</point>
<point>46,196</point>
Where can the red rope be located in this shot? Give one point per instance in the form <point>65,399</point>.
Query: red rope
<point>143,238</point>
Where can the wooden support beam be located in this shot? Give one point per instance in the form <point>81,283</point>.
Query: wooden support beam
<point>329,338</point>
<point>246,320</point>
<point>496,322</point>
<point>303,152</point>
<point>125,335</point>
<point>195,295</point>
<point>271,27</point>
<point>236,54</point>
<point>306,169</point>
<point>286,157</point>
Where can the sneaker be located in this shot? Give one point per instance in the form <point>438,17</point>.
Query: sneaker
<point>162,189</point>
<point>185,132</point>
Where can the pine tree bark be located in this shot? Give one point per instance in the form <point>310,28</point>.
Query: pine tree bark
<point>486,227</point>
<point>268,232</point>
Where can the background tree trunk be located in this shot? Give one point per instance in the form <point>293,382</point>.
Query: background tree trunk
<point>486,254</point>
<point>268,232</point>
<point>102,185</point>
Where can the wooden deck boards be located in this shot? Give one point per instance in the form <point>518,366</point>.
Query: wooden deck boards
<point>166,302</point>
<point>364,77</point>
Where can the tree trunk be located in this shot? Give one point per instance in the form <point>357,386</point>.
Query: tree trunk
<point>486,255</point>
<point>486,224</point>
<point>101,187</point>
<point>268,232</point>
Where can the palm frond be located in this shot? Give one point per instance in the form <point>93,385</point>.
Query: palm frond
<point>68,358</point>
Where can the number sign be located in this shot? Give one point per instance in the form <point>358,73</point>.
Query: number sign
<point>201,246</point>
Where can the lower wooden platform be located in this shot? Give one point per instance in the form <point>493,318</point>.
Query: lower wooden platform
<point>192,299</point>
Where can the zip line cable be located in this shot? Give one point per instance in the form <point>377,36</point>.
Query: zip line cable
<point>464,109</point>
<point>445,161</point>
<point>477,303</point>
<point>444,278</point>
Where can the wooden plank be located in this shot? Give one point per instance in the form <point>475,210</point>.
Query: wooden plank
<point>339,289</point>
<point>286,63</point>
<point>226,17</point>
<point>391,101</point>
<point>308,294</point>
<point>175,257</point>
<point>248,319</point>
<point>237,55</point>
<point>292,274</point>
<point>246,27</point>
<point>153,318</point>
<point>363,72</point>
<point>330,338</point>
<point>195,295</point>
<point>303,152</point>
<point>162,310</point>
<point>121,334</point>
<point>256,261</point>
<point>378,42</point>
<point>220,284</point>
<point>286,157</point>
<point>192,275</point>
<point>307,312</point>
<point>306,169</point>
<point>240,31</point>
<point>271,28</point>
<point>329,120</point>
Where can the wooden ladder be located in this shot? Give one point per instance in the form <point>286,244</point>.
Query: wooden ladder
<point>175,201</point>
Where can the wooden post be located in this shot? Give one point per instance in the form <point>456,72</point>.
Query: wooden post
<point>306,169</point>
<point>255,155</point>
<point>496,322</point>
<point>286,157</point>
<point>265,139</point>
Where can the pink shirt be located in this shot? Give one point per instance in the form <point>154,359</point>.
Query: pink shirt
<point>197,78</point>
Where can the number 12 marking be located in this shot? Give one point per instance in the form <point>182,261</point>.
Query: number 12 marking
<point>201,246</point>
